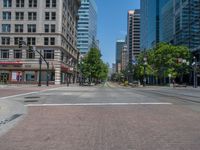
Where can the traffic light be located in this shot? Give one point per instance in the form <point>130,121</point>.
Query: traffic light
<point>20,44</point>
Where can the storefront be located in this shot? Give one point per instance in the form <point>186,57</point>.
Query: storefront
<point>20,73</point>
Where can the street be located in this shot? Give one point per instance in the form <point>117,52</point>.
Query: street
<point>106,117</point>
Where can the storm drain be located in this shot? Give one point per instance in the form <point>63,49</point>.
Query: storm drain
<point>31,99</point>
<point>7,120</point>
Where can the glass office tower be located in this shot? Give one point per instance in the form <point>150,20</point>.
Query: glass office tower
<point>166,21</point>
<point>149,23</point>
<point>87,26</point>
<point>187,23</point>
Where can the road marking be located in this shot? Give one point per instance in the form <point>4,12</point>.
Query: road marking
<point>96,104</point>
<point>24,94</point>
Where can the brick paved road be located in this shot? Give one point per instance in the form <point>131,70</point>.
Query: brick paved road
<point>127,127</point>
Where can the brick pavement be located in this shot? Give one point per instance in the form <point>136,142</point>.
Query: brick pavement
<point>106,128</point>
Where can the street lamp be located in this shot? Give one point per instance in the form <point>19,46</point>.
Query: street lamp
<point>195,72</point>
<point>145,64</point>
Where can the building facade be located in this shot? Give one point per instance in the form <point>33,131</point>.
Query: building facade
<point>124,57</point>
<point>166,27</point>
<point>119,46</point>
<point>187,23</point>
<point>48,25</point>
<point>133,35</point>
<point>87,26</point>
<point>149,23</point>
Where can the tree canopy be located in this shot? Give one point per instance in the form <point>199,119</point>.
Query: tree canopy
<point>163,60</point>
<point>93,67</point>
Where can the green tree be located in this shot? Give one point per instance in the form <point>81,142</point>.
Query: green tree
<point>164,59</point>
<point>92,66</point>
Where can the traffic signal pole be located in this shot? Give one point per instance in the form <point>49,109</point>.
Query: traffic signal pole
<point>33,48</point>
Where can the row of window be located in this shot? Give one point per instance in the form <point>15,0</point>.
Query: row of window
<point>31,28</point>
<point>31,3</point>
<point>30,40</point>
<point>17,54</point>
<point>31,15</point>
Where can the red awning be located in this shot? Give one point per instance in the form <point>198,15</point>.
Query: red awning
<point>11,63</point>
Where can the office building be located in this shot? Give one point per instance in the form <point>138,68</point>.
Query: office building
<point>166,27</point>
<point>49,26</point>
<point>119,46</point>
<point>113,68</point>
<point>187,23</point>
<point>133,34</point>
<point>149,23</point>
<point>124,58</point>
<point>87,26</point>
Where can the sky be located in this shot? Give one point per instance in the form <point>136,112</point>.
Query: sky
<point>112,24</point>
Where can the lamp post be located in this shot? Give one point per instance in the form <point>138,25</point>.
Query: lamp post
<point>145,64</point>
<point>195,72</point>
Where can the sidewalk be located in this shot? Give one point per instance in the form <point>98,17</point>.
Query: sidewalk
<point>10,113</point>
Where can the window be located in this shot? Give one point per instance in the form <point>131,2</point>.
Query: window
<point>17,39</point>
<point>6,15</point>
<point>19,28</point>
<point>5,40</point>
<point>46,28</point>
<point>5,53</point>
<point>19,3</point>
<point>46,41</point>
<point>47,3</point>
<point>62,56</point>
<point>19,15</point>
<point>53,15</point>
<point>17,54</point>
<point>32,3</point>
<point>31,41</point>
<point>6,28</point>
<point>53,28</point>
<point>7,3</point>
<point>53,3</point>
<point>30,54</point>
<point>47,15</point>
<point>52,41</point>
<point>32,16</point>
<point>31,28</point>
<point>49,54</point>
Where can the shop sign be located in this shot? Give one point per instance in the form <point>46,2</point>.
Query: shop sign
<point>11,63</point>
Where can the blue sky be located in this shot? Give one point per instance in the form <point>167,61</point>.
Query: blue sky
<point>112,24</point>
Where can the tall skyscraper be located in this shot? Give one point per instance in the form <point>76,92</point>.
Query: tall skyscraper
<point>133,34</point>
<point>187,23</point>
<point>166,26</point>
<point>149,23</point>
<point>119,46</point>
<point>49,26</point>
<point>87,26</point>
